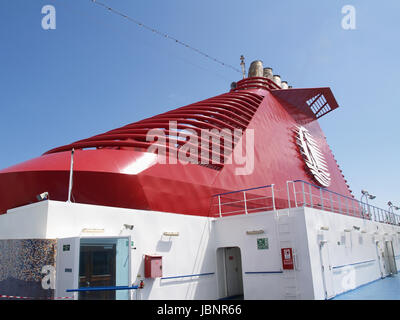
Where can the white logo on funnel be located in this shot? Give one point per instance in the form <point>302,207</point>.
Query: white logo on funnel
<point>313,157</point>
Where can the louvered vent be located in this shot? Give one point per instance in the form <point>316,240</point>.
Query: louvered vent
<point>229,111</point>
<point>319,105</point>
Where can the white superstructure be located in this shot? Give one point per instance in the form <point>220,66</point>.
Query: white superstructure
<point>213,258</point>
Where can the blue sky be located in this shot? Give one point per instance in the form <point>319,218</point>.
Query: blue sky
<point>97,71</point>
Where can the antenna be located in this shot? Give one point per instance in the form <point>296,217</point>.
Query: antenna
<point>242,64</point>
<point>70,175</point>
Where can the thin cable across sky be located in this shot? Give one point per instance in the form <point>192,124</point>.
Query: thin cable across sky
<point>162,34</point>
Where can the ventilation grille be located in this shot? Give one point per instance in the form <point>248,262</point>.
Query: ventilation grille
<point>311,102</point>
<point>319,105</point>
<point>227,113</point>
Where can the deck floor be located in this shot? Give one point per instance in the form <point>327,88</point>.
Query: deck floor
<point>384,289</point>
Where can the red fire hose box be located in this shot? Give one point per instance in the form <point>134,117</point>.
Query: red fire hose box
<point>152,266</point>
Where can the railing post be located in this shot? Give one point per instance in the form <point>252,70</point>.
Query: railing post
<point>330,198</point>
<point>322,198</point>
<point>294,193</point>
<point>245,201</point>
<point>219,206</point>
<point>358,209</point>
<point>273,196</point>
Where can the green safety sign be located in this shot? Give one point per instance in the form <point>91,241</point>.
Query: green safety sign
<point>262,243</point>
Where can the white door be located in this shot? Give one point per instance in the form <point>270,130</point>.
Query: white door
<point>380,252</point>
<point>389,253</point>
<point>67,266</point>
<point>233,271</point>
<point>326,268</point>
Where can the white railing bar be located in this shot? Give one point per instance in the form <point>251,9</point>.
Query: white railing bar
<point>219,207</point>
<point>252,199</point>
<point>260,208</point>
<point>245,202</point>
<point>225,203</point>
<point>273,196</point>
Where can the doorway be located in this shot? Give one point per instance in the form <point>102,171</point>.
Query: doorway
<point>229,262</point>
<point>97,269</point>
<point>104,262</point>
<point>381,259</point>
<point>390,260</point>
<point>326,268</point>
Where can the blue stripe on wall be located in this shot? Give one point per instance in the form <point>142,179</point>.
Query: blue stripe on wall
<point>189,275</point>
<point>258,272</point>
<point>353,264</point>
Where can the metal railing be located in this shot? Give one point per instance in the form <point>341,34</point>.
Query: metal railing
<point>298,193</point>
<point>244,201</point>
<point>304,194</point>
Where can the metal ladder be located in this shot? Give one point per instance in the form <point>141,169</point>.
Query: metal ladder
<point>285,240</point>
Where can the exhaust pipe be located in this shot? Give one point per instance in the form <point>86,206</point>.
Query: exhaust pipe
<point>256,69</point>
<point>268,73</point>
<point>277,79</point>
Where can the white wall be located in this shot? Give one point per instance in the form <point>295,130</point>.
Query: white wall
<point>189,253</point>
<point>263,275</point>
<point>27,222</point>
<point>353,254</point>
<point>231,232</point>
<point>194,251</point>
